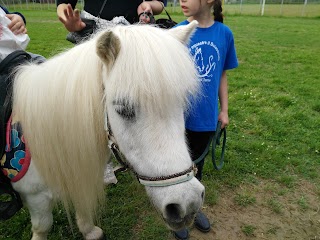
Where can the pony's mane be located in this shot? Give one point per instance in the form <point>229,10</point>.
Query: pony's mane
<point>61,108</point>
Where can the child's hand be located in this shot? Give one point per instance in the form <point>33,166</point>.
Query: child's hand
<point>224,119</point>
<point>17,25</point>
<point>71,19</point>
<point>144,7</point>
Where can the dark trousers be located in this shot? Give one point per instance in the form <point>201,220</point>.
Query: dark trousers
<point>197,143</point>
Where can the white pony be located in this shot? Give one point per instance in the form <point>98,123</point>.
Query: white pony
<point>140,77</point>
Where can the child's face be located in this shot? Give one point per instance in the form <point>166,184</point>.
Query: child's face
<point>193,7</point>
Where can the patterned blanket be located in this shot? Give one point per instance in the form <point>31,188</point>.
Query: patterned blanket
<point>16,160</point>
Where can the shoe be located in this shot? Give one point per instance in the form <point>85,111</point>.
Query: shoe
<point>201,222</point>
<point>181,234</point>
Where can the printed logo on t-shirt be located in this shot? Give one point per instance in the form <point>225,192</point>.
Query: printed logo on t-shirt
<point>206,55</point>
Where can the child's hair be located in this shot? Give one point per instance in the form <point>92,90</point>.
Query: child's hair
<point>217,11</point>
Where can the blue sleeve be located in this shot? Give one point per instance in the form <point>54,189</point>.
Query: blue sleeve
<point>231,57</point>
<point>20,14</point>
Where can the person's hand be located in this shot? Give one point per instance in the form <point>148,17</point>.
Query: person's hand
<point>144,7</point>
<point>17,25</point>
<point>224,119</point>
<point>71,19</point>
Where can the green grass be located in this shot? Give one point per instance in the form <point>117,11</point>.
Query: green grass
<point>275,205</point>
<point>303,203</point>
<point>248,230</point>
<point>244,200</point>
<point>273,134</point>
<point>272,230</point>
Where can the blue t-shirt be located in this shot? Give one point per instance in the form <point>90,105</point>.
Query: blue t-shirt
<point>213,51</point>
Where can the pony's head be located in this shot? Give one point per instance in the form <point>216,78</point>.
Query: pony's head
<point>148,77</point>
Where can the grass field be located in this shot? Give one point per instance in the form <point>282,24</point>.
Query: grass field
<point>273,146</point>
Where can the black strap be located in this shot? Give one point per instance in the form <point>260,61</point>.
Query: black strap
<point>10,203</point>
<point>166,23</point>
<point>167,13</point>
<point>11,206</point>
<point>102,7</point>
<point>6,66</point>
<point>12,56</point>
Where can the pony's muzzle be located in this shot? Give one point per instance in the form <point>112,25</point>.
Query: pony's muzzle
<point>177,217</point>
<point>179,203</point>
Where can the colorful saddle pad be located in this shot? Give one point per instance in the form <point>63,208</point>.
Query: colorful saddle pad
<point>16,160</point>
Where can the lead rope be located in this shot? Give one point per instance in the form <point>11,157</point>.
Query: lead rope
<point>102,7</point>
<point>215,139</point>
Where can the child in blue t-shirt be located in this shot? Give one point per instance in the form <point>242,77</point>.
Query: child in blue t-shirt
<point>213,50</point>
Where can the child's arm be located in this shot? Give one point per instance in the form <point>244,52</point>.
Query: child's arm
<point>223,99</point>
<point>154,7</point>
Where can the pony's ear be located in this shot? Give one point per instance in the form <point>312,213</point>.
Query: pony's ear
<point>108,47</point>
<point>183,33</point>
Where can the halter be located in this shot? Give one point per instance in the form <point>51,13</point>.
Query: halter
<point>162,181</point>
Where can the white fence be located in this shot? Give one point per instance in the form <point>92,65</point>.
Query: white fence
<point>292,8</point>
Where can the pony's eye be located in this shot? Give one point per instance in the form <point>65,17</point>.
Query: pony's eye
<point>126,111</point>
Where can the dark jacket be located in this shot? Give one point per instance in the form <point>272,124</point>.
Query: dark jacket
<point>113,8</point>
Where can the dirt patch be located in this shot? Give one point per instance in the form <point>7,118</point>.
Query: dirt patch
<point>276,213</point>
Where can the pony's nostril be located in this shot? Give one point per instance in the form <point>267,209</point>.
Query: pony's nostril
<point>173,212</point>
<point>202,195</point>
